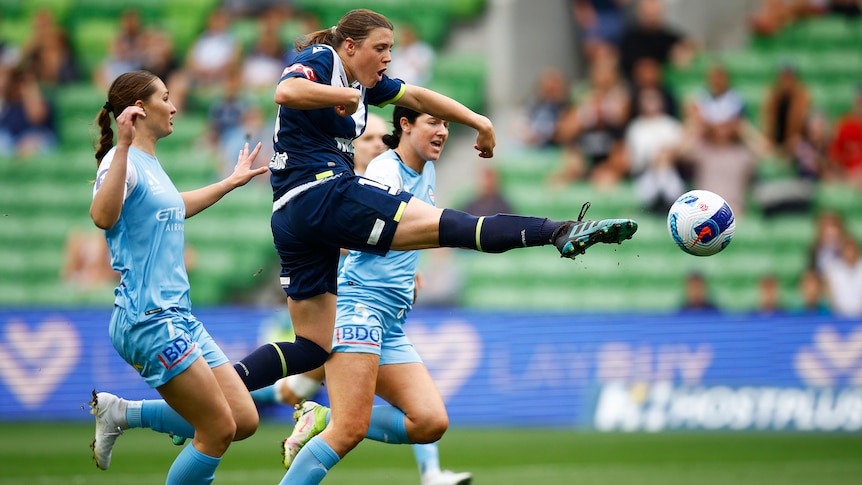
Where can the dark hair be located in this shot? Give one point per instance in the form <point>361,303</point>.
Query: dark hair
<point>355,24</point>
<point>124,91</point>
<point>394,139</point>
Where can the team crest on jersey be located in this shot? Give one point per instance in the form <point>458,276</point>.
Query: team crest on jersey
<point>431,196</point>
<point>304,70</point>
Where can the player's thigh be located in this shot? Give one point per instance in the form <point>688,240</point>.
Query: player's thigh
<point>240,401</point>
<point>196,395</point>
<point>410,388</point>
<point>419,227</point>
<point>350,380</point>
<point>314,318</point>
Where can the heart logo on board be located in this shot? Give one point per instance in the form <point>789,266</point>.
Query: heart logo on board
<point>832,356</point>
<point>34,362</point>
<point>451,352</point>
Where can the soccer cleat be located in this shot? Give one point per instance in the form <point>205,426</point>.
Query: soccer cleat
<point>110,412</point>
<point>446,477</point>
<point>310,421</point>
<point>573,238</point>
<point>178,440</point>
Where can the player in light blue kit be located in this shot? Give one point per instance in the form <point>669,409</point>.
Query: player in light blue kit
<point>152,326</point>
<point>371,353</point>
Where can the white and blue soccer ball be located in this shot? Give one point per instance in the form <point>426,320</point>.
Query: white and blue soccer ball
<point>701,222</point>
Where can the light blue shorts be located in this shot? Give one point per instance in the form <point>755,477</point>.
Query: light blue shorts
<point>164,346</point>
<point>365,329</point>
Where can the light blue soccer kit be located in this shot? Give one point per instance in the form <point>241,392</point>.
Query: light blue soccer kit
<point>375,293</point>
<point>151,326</point>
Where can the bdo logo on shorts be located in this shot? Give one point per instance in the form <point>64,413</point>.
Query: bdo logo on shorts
<point>177,350</point>
<point>358,335</point>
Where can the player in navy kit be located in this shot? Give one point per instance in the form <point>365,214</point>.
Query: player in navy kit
<point>320,205</point>
<point>152,326</point>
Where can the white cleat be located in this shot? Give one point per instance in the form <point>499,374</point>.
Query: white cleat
<point>110,412</point>
<point>446,477</point>
<point>310,421</point>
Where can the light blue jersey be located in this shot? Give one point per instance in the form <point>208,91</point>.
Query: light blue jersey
<point>388,280</point>
<point>147,242</point>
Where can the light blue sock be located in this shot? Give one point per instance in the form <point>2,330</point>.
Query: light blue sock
<point>158,416</point>
<point>265,395</point>
<point>427,457</point>
<point>311,464</point>
<point>387,425</point>
<point>192,468</point>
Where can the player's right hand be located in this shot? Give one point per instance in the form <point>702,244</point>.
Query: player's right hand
<point>126,124</point>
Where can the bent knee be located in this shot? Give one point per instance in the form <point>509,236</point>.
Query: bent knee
<point>430,429</point>
<point>246,426</point>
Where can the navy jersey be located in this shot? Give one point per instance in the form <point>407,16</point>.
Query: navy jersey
<point>310,145</point>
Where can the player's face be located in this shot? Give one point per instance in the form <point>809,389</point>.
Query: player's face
<point>160,111</point>
<point>428,135</point>
<point>369,145</point>
<point>371,57</point>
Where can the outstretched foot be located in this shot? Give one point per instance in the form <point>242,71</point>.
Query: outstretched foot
<point>110,413</point>
<point>310,421</point>
<point>573,238</point>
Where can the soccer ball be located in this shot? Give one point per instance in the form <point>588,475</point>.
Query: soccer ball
<point>701,223</point>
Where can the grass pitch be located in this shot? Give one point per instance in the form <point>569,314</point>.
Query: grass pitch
<point>59,453</point>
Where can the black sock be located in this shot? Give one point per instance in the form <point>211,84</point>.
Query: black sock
<point>494,234</point>
<point>270,362</point>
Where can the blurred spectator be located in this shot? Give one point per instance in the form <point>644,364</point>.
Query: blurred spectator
<point>811,300</point>
<point>651,141</point>
<point>255,8</point>
<point>846,148</point>
<point>26,116</point>
<point>843,278</point>
<point>159,58</point>
<point>489,199</point>
<point>719,102</point>
<point>785,109</point>
<point>697,298</point>
<point>847,8</point>
<point>648,74</point>
<point>772,16</point>
<point>828,238</point>
<point>253,127</point>
<point>261,68</point>
<point>600,23</point>
<point>538,127</point>
<point>215,52</point>
<point>769,297</point>
<point>47,53</point>
<point>649,36</point>
<point>412,57</point>
<point>125,51</point>
<point>721,161</point>
<point>594,128</point>
<point>810,152</point>
<point>87,261</point>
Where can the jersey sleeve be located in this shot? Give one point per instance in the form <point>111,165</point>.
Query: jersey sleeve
<point>131,174</point>
<point>386,91</point>
<point>386,171</point>
<point>313,63</point>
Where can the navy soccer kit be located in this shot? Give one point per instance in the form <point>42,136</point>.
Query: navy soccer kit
<point>319,205</point>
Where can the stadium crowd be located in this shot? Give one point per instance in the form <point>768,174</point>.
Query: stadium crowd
<point>624,121</point>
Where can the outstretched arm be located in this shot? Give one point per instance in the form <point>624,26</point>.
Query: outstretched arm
<point>200,199</point>
<point>435,104</point>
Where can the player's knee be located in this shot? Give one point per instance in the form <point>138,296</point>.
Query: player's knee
<point>246,425</point>
<point>431,428</point>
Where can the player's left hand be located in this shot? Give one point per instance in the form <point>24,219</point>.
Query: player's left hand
<point>243,172</point>
<point>486,140</point>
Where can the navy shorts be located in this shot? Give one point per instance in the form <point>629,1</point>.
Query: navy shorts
<point>344,212</point>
